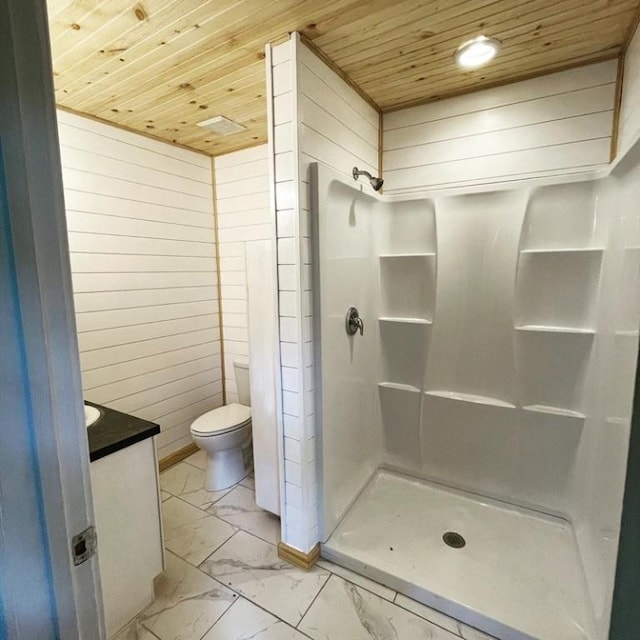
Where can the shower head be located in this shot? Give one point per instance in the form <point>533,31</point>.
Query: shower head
<point>376,183</point>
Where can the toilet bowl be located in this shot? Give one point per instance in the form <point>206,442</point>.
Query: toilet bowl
<point>225,433</point>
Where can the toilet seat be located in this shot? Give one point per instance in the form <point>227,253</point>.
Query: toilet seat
<point>221,420</point>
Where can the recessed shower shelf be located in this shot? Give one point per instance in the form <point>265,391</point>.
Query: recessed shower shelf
<point>554,411</point>
<point>541,328</point>
<point>386,256</point>
<point>405,320</point>
<point>469,397</point>
<point>575,250</point>
<point>398,387</point>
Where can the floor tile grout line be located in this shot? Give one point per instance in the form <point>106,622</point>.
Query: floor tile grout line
<point>197,566</point>
<point>271,613</point>
<point>138,620</point>
<point>226,493</point>
<point>207,513</point>
<point>333,573</point>
<point>239,528</point>
<point>393,602</point>
<point>324,584</point>
<point>329,574</point>
<point>257,537</point>
<point>233,524</point>
<point>435,624</point>
<point>233,535</point>
<point>223,614</point>
<point>260,606</point>
<point>218,618</point>
<point>205,574</point>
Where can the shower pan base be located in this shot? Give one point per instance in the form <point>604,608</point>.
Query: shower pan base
<point>517,576</point>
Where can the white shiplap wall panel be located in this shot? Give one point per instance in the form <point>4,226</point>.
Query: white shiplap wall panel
<point>629,125</point>
<point>554,124</point>
<point>243,213</point>
<point>317,117</point>
<point>95,340</point>
<point>142,241</point>
<point>106,205</point>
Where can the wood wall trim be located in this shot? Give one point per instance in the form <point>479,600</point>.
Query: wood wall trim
<point>333,66</point>
<point>298,558</point>
<point>137,132</point>
<point>380,147</point>
<point>177,456</point>
<point>633,27</point>
<point>502,83</point>
<point>617,107</point>
<point>216,239</point>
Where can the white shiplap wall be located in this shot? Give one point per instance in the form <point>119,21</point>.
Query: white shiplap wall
<point>243,210</point>
<point>317,117</point>
<point>629,125</point>
<point>552,125</point>
<point>141,235</point>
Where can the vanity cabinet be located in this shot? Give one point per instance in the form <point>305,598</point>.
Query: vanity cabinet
<point>127,506</point>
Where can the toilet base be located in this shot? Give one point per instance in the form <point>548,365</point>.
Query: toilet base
<point>224,469</point>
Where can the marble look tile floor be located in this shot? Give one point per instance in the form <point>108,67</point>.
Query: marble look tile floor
<point>224,580</point>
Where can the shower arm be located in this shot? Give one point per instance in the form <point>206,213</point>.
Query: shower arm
<point>375,182</point>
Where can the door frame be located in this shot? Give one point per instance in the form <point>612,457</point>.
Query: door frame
<point>45,491</point>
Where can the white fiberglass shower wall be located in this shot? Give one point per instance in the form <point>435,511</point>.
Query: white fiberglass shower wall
<point>489,396</point>
<point>490,392</point>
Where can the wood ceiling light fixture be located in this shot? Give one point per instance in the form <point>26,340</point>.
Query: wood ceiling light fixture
<point>477,52</point>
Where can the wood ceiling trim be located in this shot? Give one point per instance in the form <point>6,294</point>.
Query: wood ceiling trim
<point>452,76</point>
<point>507,74</point>
<point>332,65</point>
<point>631,31</point>
<point>615,127</point>
<point>633,27</point>
<point>151,136</point>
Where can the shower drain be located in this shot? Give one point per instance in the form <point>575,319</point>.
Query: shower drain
<point>454,539</point>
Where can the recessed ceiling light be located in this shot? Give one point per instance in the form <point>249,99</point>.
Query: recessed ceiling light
<point>474,53</point>
<point>221,125</point>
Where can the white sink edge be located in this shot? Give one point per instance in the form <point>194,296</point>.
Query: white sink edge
<point>91,415</point>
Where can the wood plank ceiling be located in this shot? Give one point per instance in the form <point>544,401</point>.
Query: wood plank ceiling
<point>161,66</point>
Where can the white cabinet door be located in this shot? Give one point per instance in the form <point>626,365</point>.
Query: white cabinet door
<point>125,497</point>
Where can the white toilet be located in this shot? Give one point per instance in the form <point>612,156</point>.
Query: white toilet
<point>225,433</point>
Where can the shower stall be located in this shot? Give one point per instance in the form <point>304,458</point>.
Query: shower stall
<point>474,437</point>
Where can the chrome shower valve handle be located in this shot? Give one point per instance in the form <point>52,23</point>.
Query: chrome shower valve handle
<point>353,322</point>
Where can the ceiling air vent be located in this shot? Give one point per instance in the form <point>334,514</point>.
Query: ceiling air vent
<point>221,125</point>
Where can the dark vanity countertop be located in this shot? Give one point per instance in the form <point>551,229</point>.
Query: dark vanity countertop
<point>114,431</point>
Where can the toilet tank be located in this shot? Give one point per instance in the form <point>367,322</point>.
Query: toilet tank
<point>242,382</point>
